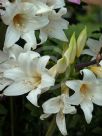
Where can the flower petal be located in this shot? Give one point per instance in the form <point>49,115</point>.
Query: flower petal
<point>33,96</point>
<point>55,3</point>
<point>12,36</point>
<point>56,25</point>
<point>17,88</point>
<point>43,37</point>
<point>94,45</point>
<point>46,81</point>
<point>52,105</point>
<point>4,82</point>
<point>67,109</point>
<point>88,52</point>
<point>15,51</point>
<point>43,62</point>
<point>74,85</point>
<point>60,120</point>
<point>30,38</point>
<point>28,65</point>
<point>75,99</point>
<point>44,116</point>
<point>88,75</point>
<point>3,56</point>
<point>15,74</point>
<point>87,107</point>
<point>97,95</point>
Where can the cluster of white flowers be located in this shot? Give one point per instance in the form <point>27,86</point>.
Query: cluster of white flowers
<point>24,71</point>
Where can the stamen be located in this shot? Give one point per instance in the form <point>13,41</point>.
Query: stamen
<point>84,89</point>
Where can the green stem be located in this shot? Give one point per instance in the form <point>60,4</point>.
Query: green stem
<point>51,128</point>
<point>12,116</point>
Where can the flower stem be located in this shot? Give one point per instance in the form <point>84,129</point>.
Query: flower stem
<point>51,128</point>
<point>83,65</point>
<point>86,64</point>
<point>12,116</point>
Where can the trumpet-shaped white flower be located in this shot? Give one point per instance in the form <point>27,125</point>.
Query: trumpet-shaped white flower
<point>31,76</point>
<point>94,47</point>
<point>58,105</point>
<point>21,18</point>
<point>55,27</point>
<point>87,92</point>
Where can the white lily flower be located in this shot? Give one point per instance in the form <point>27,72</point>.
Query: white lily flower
<point>58,105</point>
<point>55,27</point>
<point>87,92</point>
<point>31,76</point>
<point>22,17</point>
<point>94,47</point>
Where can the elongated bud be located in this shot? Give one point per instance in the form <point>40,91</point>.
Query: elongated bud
<point>81,41</point>
<point>71,51</point>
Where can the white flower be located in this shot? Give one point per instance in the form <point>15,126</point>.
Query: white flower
<point>22,17</point>
<point>55,27</point>
<point>58,105</point>
<point>94,47</point>
<point>31,76</point>
<point>87,92</point>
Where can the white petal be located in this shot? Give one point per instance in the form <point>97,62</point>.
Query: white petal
<point>67,109</point>
<point>88,52</point>
<point>75,99</point>
<point>14,51</point>
<point>60,120</point>
<point>17,88</point>
<point>15,74</point>
<point>38,22</point>
<point>30,39</point>
<point>74,85</point>
<point>52,105</point>
<point>97,95</point>
<point>28,65</point>
<point>87,107</point>
<point>46,81</point>
<point>94,45</point>
<point>12,36</point>
<point>9,13</point>
<point>4,82</point>
<point>33,96</point>
<point>43,37</point>
<point>55,3</point>
<point>3,56</point>
<point>56,25</point>
<point>44,116</point>
<point>88,75</point>
<point>43,62</point>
